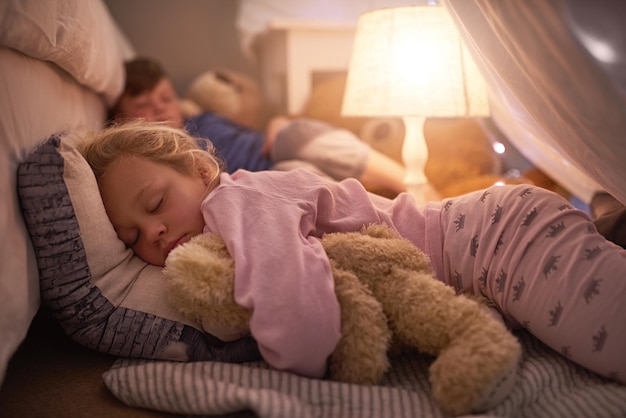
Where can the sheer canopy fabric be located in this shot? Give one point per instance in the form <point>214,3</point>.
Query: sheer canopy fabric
<point>556,75</point>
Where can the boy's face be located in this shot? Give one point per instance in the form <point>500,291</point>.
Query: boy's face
<point>157,105</point>
<point>153,207</point>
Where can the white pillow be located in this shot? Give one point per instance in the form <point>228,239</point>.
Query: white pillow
<point>79,36</point>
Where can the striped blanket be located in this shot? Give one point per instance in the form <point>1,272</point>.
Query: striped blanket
<point>548,386</point>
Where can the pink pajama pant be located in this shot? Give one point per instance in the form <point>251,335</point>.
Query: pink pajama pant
<point>544,267</point>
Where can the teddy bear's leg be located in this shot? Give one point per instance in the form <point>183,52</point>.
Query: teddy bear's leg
<point>361,354</point>
<point>476,355</point>
<point>477,370</point>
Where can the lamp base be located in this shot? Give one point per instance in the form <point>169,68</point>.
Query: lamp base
<point>423,193</point>
<point>414,156</point>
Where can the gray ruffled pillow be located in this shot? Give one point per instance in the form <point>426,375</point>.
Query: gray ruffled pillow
<point>104,297</point>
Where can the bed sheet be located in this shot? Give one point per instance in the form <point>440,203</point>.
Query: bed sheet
<point>548,386</point>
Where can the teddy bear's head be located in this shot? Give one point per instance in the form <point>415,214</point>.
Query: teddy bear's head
<point>229,94</point>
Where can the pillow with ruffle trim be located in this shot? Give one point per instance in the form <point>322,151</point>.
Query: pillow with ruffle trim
<point>104,297</point>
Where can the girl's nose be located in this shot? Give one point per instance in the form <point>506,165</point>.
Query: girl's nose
<point>154,231</point>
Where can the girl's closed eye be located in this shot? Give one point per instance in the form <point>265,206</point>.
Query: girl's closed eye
<point>158,204</point>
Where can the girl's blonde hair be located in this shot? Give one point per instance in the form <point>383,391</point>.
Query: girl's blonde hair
<point>154,141</point>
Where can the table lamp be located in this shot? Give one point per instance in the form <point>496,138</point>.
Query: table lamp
<point>409,62</point>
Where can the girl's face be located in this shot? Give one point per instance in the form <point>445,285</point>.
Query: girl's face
<point>152,207</point>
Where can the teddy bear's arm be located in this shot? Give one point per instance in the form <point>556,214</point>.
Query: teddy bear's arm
<point>361,354</point>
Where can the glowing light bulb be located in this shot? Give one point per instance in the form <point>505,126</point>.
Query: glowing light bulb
<point>499,147</point>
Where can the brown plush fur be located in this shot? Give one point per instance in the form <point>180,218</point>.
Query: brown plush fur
<point>384,286</point>
<point>230,94</point>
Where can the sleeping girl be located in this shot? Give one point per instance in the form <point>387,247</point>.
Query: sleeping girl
<point>538,260</point>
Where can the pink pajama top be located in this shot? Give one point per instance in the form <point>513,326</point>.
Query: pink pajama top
<point>271,222</point>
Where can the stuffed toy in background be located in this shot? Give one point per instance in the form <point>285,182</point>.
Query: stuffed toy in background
<point>229,94</point>
<point>386,290</point>
<point>461,157</point>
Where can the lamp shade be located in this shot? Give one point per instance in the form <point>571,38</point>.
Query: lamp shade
<point>409,61</point>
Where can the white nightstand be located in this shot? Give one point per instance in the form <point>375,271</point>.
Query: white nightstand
<point>290,52</point>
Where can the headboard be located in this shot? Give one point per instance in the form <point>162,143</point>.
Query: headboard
<point>61,62</point>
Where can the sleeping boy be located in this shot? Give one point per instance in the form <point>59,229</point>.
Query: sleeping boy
<point>286,144</point>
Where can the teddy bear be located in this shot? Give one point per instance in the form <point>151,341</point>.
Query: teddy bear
<point>389,298</point>
<point>229,94</point>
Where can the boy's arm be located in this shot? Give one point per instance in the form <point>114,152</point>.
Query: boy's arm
<point>240,147</point>
<point>273,126</point>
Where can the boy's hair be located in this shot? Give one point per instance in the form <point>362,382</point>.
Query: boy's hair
<point>155,141</point>
<point>142,75</point>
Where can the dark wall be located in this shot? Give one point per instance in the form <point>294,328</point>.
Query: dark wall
<point>187,36</point>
